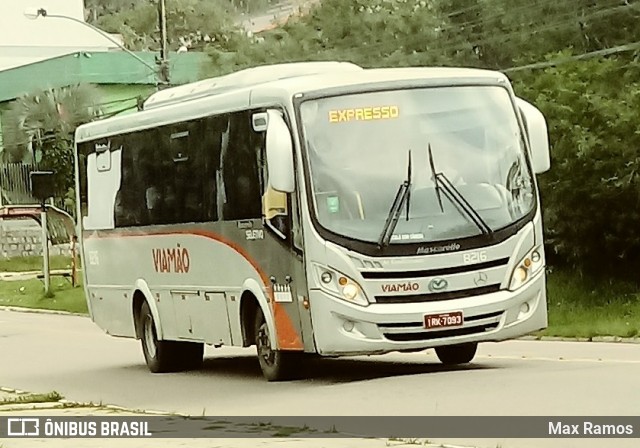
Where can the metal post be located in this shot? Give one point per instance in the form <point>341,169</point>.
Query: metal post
<point>164,54</point>
<point>73,261</point>
<point>45,249</point>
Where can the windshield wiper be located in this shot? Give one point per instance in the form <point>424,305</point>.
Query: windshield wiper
<point>443,183</point>
<point>434,178</point>
<point>403,195</point>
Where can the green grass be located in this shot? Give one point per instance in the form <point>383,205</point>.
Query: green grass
<point>51,397</point>
<point>30,294</point>
<point>584,308</point>
<point>24,264</point>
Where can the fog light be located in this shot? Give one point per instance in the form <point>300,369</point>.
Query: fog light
<point>326,277</point>
<point>348,326</point>
<point>524,308</point>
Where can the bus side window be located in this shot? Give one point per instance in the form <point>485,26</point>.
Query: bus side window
<point>240,174</point>
<point>210,149</point>
<point>84,149</point>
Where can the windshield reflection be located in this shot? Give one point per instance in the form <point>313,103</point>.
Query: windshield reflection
<point>357,150</point>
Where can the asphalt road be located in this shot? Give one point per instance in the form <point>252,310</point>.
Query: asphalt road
<point>74,357</point>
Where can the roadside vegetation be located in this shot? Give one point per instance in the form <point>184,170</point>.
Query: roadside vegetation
<point>34,263</point>
<point>51,397</point>
<point>30,294</point>
<point>582,307</point>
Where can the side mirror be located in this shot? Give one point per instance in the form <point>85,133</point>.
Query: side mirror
<point>536,127</point>
<point>42,185</point>
<point>279,148</point>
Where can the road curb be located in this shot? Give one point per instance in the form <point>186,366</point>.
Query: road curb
<point>616,339</point>
<point>17,309</point>
<point>64,403</point>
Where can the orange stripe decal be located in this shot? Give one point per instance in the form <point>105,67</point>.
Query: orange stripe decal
<point>286,333</point>
<point>288,338</point>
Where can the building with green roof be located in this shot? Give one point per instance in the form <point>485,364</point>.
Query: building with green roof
<point>121,79</point>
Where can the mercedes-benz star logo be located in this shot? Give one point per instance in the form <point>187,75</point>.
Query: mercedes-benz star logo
<point>480,279</point>
<point>438,284</point>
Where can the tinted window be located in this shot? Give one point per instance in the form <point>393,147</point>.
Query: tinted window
<point>196,171</point>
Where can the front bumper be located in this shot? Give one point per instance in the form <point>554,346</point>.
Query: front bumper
<point>341,328</point>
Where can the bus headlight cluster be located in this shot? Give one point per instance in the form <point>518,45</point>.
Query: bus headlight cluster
<point>341,286</point>
<point>527,268</point>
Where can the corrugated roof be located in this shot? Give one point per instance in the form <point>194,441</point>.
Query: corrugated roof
<point>110,67</point>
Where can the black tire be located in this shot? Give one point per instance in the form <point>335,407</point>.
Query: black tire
<point>166,356</point>
<point>276,365</point>
<point>451,355</point>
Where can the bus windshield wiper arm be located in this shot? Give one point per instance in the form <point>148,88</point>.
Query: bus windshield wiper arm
<point>434,178</point>
<point>443,183</point>
<point>403,195</point>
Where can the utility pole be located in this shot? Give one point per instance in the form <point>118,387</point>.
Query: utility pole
<point>163,63</point>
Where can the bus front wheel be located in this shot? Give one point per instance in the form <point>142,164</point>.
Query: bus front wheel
<point>451,355</point>
<point>166,356</point>
<point>276,365</point>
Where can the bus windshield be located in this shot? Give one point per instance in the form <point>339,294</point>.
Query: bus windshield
<point>462,147</point>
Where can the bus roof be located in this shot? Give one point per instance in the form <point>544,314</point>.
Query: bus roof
<point>194,99</point>
<point>245,78</point>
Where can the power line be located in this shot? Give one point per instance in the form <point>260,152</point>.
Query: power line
<point>524,9</point>
<point>606,52</point>
<point>464,44</point>
<point>549,27</point>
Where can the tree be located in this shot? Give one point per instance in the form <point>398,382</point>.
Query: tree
<point>192,24</point>
<point>504,33</point>
<point>40,128</point>
<point>371,33</point>
<point>591,194</point>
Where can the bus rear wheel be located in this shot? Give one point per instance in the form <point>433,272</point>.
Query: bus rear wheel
<point>166,356</point>
<point>276,365</point>
<point>451,355</point>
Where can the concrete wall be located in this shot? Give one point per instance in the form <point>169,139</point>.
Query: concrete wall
<point>21,239</point>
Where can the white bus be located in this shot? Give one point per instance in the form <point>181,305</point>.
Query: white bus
<point>316,208</point>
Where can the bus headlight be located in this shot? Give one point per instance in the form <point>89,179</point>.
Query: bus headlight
<point>339,285</point>
<point>529,266</point>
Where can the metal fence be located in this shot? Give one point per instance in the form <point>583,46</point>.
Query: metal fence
<point>15,184</point>
<point>15,190</point>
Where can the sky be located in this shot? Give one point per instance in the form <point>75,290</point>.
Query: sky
<point>24,40</point>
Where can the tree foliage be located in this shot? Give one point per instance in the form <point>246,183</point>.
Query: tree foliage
<point>371,33</point>
<point>41,124</point>
<point>193,24</point>
<point>591,195</point>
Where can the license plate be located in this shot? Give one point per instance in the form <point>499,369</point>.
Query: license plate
<point>443,320</point>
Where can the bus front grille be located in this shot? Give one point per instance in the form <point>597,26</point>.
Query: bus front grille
<point>437,272</point>
<point>434,297</point>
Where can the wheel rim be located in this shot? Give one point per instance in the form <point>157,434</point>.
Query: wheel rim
<point>265,351</point>
<point>150,337</point>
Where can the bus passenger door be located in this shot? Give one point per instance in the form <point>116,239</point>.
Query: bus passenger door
<point>286,271</point>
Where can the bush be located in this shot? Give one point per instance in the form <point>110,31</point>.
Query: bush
<point>591,195</point>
